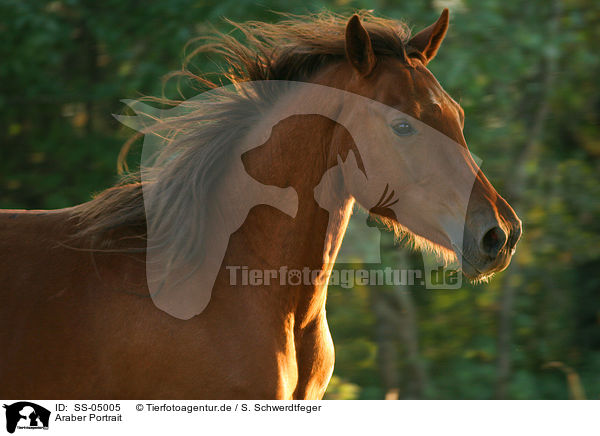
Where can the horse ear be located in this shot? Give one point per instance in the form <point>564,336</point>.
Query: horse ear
<point>428,40</point>
<point>358,47</point>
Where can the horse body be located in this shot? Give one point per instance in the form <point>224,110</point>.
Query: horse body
<point>93,314</point>
<point>77,318</point>
<point>98,335</point>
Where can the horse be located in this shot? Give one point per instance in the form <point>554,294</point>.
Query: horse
<point>77,318</point>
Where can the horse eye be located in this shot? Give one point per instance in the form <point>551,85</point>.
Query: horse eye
<point>403,128</point>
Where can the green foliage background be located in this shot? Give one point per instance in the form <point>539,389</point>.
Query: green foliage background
<point>65,65</point>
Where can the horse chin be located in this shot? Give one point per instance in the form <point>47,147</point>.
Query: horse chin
<point>474,275</point>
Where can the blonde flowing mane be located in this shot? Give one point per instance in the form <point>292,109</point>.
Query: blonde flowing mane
<point>292,49</point>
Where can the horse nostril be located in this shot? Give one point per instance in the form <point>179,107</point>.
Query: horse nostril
<point>493,241</point>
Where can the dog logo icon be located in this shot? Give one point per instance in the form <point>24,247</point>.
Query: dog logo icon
<point>26,415</point>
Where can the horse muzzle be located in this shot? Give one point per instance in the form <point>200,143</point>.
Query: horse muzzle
<point>488,248</point>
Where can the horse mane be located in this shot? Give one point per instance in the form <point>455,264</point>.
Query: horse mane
<point>290,50</point>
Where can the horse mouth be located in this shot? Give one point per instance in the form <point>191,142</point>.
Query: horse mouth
<point>473,274</point>
<point>469,270</point>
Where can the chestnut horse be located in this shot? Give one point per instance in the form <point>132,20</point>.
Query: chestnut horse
<point>76,321</point>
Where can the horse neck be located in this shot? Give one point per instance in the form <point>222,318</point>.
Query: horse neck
<point>301,153</point>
